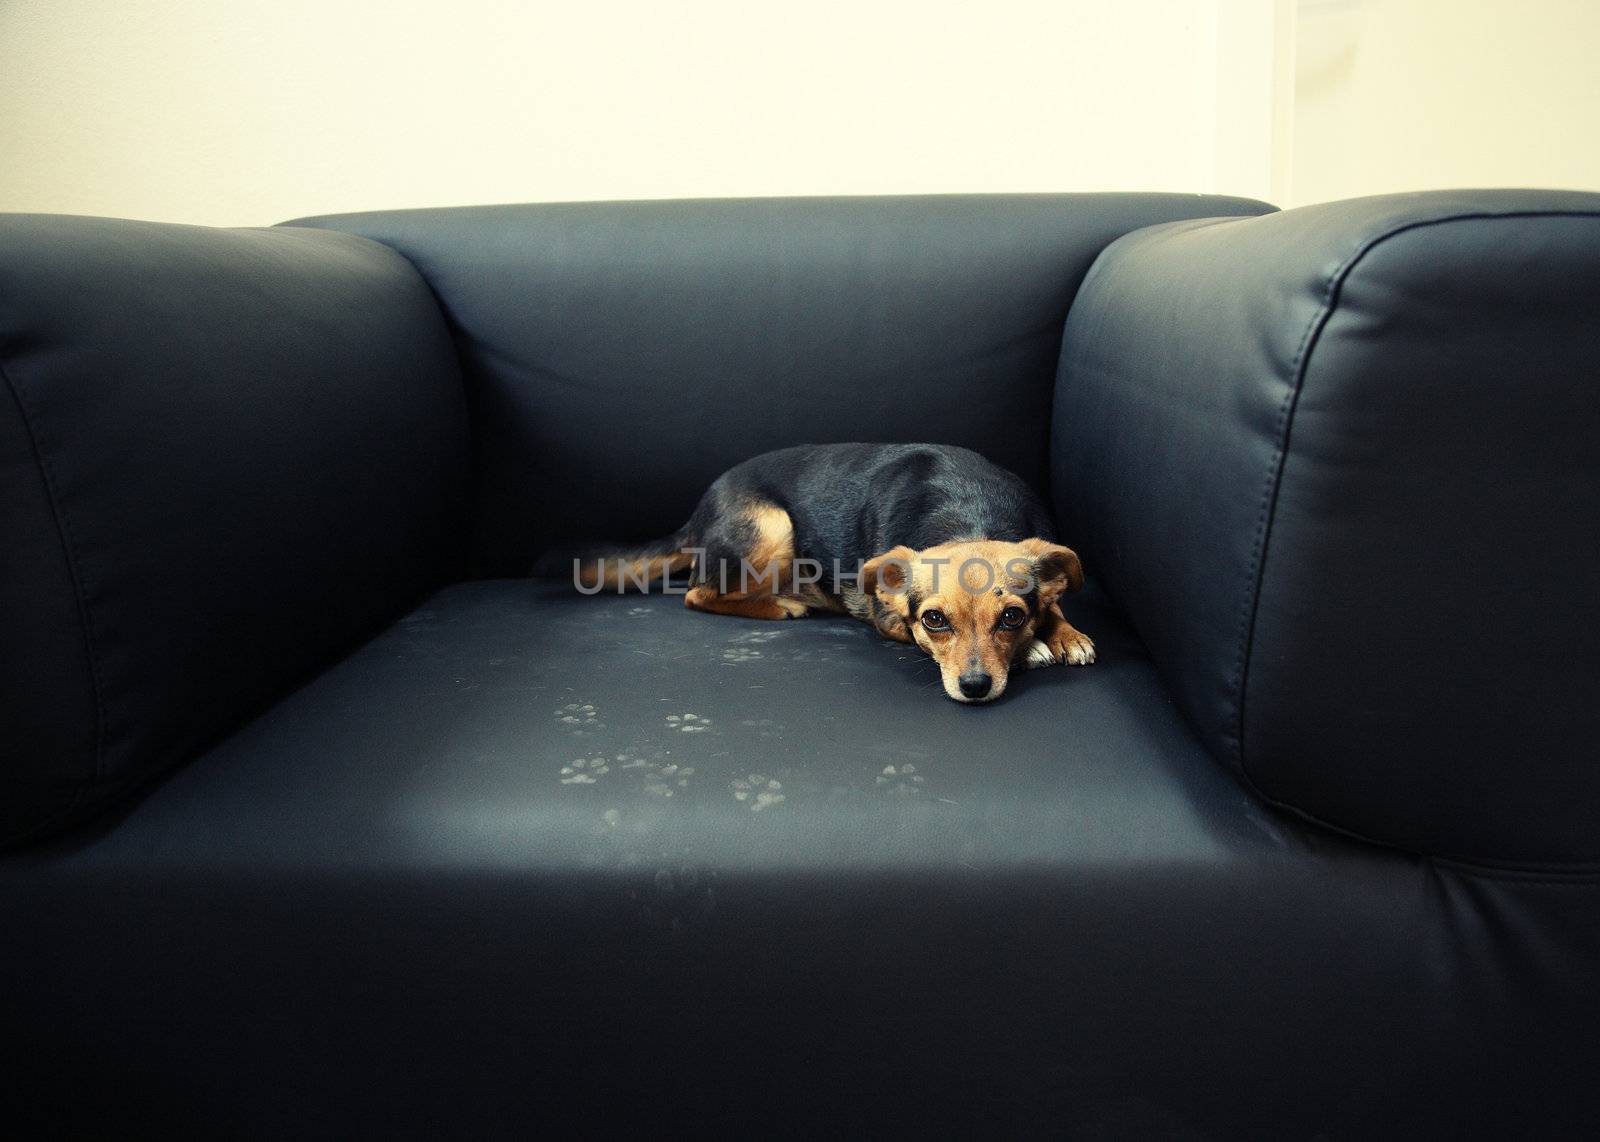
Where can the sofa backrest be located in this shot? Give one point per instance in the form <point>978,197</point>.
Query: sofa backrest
<point>619,356</point>
<point>226,457</point>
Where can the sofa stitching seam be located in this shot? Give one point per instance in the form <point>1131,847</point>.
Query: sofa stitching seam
<point>69,549</point>
<point>1280,430</point>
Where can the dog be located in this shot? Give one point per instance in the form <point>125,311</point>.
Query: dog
<point>930,544</point>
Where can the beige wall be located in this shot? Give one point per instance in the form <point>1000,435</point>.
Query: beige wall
<point>1397,95</point>
<point>235,112</point>
<point>248,111</point>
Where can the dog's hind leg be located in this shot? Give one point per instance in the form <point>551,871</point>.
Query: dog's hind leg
<point>704,598</point>
<point>747,562</point>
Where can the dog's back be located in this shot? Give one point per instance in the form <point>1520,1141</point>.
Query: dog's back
<point>852,501</point>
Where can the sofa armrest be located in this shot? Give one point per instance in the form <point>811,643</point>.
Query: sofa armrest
<point>1342,467</point>
<point>225,457</point>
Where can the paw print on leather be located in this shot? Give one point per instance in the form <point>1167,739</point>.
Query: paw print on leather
<point>688,723</point>
<point>578,717</point>
<point>900,781</point>
<point>758,791</point>
<point>584,771</point>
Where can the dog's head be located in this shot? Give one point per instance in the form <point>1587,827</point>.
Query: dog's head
<point>973,606</point>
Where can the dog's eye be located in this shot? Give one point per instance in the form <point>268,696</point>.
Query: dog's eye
<point>934,619</point>
<point>1013,617</point>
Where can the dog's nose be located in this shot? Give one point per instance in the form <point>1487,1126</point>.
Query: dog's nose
<point>975,683</point>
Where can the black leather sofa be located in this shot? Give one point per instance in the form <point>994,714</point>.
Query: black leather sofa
<point>325,820</point>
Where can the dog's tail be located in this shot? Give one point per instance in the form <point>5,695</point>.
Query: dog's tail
<point>619,568</point>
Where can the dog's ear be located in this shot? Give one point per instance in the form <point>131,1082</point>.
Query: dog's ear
<point>1056,569</point>
<point>889,573</point>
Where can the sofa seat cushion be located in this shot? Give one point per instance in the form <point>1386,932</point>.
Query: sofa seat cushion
<point>531,858</point>
<point>517,725</point>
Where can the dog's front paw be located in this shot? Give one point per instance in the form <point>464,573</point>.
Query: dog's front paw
<point>1038,654</point>
<point>1072,647</point>
<point>791,608</point>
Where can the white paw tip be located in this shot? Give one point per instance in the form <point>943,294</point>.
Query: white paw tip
<point>1038,654</point>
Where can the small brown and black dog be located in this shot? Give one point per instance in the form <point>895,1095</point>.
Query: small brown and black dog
<point>929,543</point>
